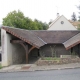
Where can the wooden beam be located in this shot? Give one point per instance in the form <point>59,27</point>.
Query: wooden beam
<point>27,60</point>
<point>16,41</point>
<point>31,49</point>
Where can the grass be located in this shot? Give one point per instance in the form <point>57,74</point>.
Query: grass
<point>0,67</point>
<point>50,58</point>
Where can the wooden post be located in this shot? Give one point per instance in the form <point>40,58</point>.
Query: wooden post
<point>27,61</point>
<point>25,47</point>
<point>79,50</point>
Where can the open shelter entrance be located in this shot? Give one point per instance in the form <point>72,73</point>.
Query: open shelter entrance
<point>26,53</point>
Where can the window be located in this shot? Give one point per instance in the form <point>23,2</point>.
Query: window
<point>62,22</point>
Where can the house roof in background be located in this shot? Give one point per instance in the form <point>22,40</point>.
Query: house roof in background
<point>75,23</point>
<point>58,19</point>
<point>39,38</point>
<point>55,20</point>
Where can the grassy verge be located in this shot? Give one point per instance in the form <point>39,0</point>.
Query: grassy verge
<point>0,67</point>
<point>50,58</point>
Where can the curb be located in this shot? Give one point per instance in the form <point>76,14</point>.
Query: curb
<point>11,71</point>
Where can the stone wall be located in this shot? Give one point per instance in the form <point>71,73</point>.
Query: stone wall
<point>58,62</point>
<point>18,54</point>
<point>59,50</point>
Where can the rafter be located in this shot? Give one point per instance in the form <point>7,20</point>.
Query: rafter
<point>16,41</point>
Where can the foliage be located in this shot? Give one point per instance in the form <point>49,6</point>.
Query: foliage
<point>50,58</point>
<point>54,59</point>
<point>0,66</point>
<point>53,51</point>
<point>78,26</point>
<point>74,17</point>
<point>50,22</point>
<point>78,12</point>
<point>18,20</point>
<point>42,55</point>
<point>73,53</point>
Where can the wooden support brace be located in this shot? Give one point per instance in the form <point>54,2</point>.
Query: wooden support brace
<point>16,41</point>
<point>25,47</point>
<point>31,49</point>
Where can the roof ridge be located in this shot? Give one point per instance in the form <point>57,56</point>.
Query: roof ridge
<point>13,28</point>
<point>55,21</point>
<point>69,22</point>
<point>39,38</point>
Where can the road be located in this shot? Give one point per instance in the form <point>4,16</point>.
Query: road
<point>67,74</point>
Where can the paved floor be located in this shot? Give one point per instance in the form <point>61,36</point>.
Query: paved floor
<point>67,74</point>
<point>33,67</point>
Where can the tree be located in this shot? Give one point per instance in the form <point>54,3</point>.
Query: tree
<point>41,25</point>
<point>38,24</point>
<point>18,20</point>
<point>30,25</point>
<point>50,21</point>
<point>74,17</point>
<point>14,19</point>
<point>45,26</point>
<point>78,12</point>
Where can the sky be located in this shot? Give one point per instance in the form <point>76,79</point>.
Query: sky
<point>43,10</point>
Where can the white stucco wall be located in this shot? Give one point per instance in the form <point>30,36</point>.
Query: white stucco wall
<point>9,49</point>
<point>11,53</point>
<point>6,48</point>
<point>58,26</point>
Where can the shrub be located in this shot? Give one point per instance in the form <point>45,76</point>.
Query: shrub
<point>42,55</point>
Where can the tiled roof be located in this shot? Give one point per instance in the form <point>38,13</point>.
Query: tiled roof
<point>39,38</point>
<point>55,36</point>
<point>72,41</point>
<point>26,36</point>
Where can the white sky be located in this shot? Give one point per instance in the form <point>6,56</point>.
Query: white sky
<point>43,10</point>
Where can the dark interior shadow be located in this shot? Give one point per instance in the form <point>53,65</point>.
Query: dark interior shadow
<point>33,59</point>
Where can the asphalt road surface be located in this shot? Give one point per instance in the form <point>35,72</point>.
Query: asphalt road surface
<point>68,74</point>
